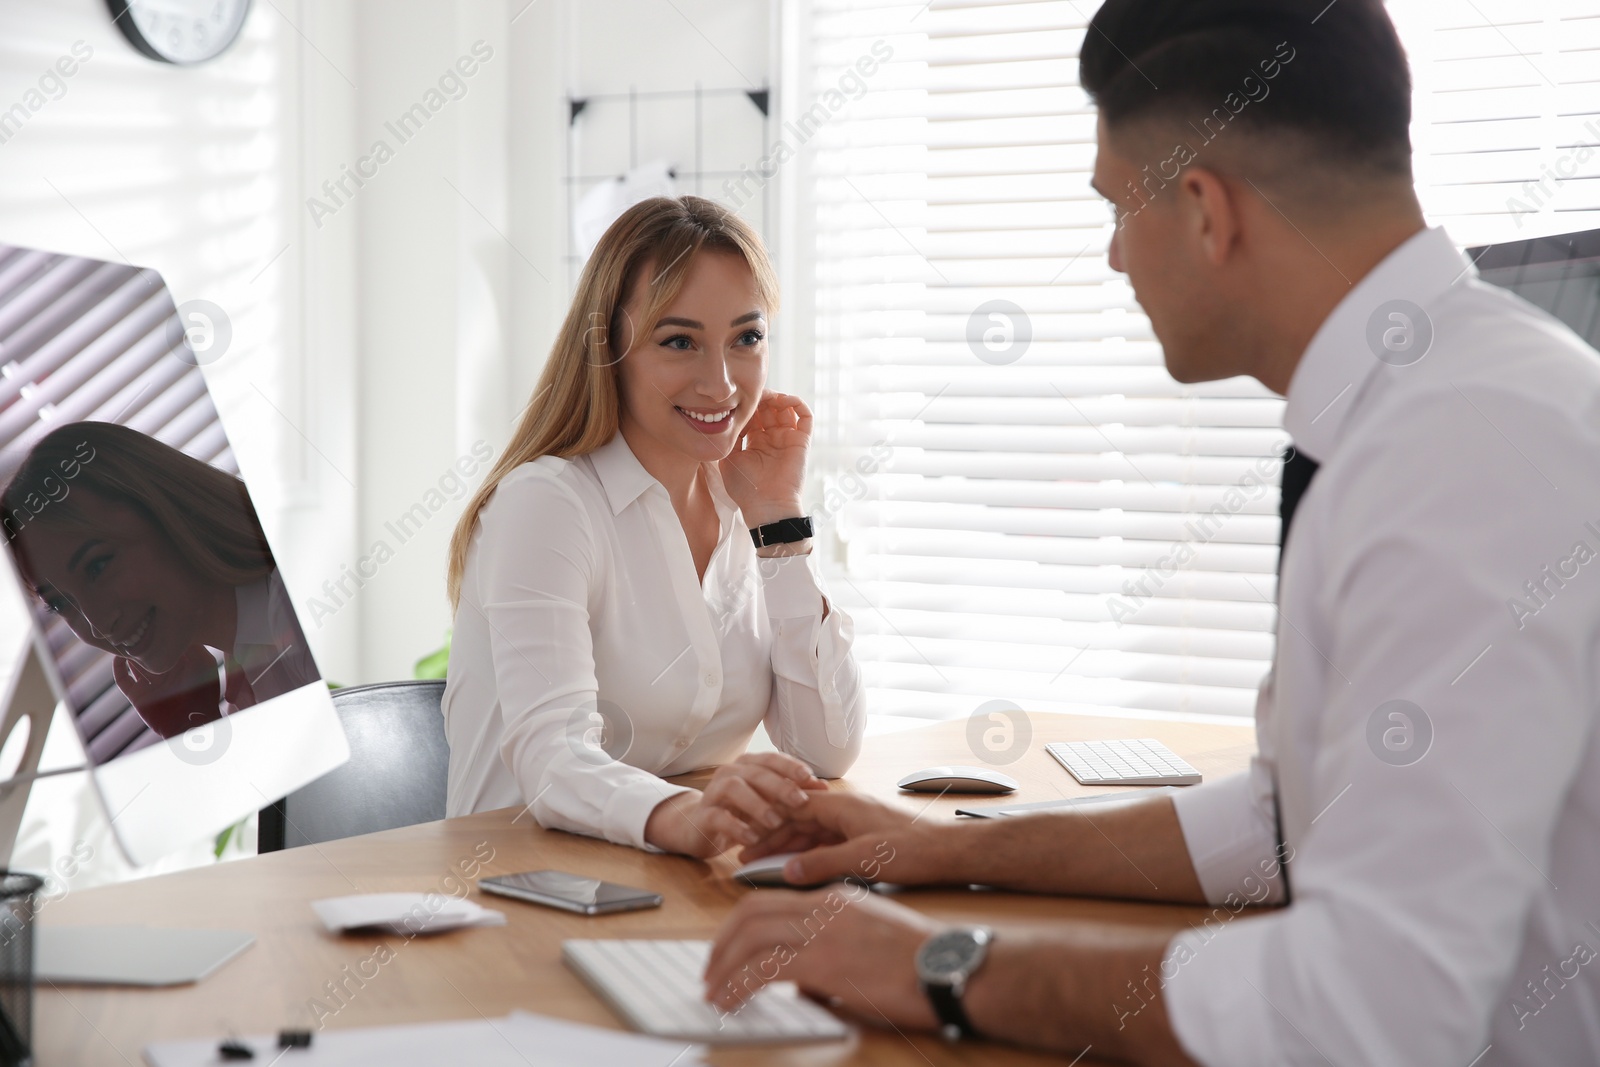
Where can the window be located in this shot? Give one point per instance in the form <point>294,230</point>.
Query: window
<point>1021,503</point>
<point>1507,115</point>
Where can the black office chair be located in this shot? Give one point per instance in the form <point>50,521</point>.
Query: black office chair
<point>399,762</point>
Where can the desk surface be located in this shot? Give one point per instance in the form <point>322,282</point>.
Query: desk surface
<point>492,971</point>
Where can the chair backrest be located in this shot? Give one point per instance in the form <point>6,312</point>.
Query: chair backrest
<point>399,764</point>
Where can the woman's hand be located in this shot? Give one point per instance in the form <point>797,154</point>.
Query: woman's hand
<point>744,801</point>
<point>766,471</point>
<point>187,696</point>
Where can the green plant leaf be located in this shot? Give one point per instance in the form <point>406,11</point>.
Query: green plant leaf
<point>434,664</point>
<point>232,833</point>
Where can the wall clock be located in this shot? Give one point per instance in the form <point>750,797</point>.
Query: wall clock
<point>180,31</point>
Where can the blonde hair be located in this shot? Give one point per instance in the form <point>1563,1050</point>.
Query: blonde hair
<point>575,407</point>
<point>206,513</point>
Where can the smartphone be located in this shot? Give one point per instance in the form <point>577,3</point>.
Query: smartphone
<point>570,892</point>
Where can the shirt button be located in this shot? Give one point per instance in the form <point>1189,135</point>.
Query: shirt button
<point>711,677</point>
<point>680,744</point>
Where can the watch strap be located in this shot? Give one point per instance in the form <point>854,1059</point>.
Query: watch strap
<point>782,532</point>
<point>952,1014</point>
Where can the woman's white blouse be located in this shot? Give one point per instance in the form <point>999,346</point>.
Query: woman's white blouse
<point>587,661</point>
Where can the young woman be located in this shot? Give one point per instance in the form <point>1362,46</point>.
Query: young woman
<point>616,621</point>
<point>157,558</point>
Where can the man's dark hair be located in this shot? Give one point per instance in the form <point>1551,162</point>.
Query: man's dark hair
<point>1345,93</point>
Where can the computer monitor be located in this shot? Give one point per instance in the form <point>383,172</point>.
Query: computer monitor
<point>1560,274</point>
<point>159,614</point>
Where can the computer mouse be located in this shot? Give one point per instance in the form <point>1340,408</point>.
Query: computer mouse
<point>959,780</point>
<point>766,871</point>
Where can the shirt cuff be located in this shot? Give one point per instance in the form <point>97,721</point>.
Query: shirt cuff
<point>1212,984</point>
<point>790,587</point>
<point>1232,840</point>
<point>628,809</point>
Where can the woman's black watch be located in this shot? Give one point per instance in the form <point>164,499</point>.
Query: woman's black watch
<point>782,532</point>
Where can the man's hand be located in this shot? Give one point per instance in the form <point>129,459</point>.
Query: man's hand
<point>841,944</point>
<point>1133,850</point>
<point>844,835</point>
<point>753,795</point>
<point>1068,987</point>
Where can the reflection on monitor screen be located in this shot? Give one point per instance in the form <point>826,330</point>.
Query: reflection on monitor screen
<point>1561,275</point>
<point>124,513</point>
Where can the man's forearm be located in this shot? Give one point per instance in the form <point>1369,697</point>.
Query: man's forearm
<point>1134,850</point>
<point>1086,985</point>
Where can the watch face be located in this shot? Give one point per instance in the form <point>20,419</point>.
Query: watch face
<point>950,954</point>
<point>180,31</point>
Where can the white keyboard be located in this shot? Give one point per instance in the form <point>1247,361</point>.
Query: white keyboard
<point>655,987</point>
<point>1138,762</point>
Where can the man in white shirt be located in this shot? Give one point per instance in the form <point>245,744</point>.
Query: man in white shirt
<point>1426,799</point>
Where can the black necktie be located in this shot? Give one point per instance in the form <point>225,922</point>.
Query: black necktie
<point>1298,470</point>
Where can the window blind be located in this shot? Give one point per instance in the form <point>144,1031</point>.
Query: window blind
<point>1029,507</point>
<point>1024,505</point>
<point>1507,113</point>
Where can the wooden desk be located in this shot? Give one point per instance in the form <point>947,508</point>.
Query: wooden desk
<point>492,971</point>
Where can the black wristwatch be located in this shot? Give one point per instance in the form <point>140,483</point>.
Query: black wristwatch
<point>945,963</point>
<point>782,532</point>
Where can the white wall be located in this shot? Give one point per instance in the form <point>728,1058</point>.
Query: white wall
<point>433,303</point>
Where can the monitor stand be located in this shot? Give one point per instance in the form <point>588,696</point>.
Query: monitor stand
<point>30,697</point>
<point>93,955</point>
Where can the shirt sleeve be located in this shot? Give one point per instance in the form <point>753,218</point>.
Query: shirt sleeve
<point>535,565</point>
<point>1229,831</point>
<point>1230,828</point>
<point>818,708</point>
<point>1414,880</point>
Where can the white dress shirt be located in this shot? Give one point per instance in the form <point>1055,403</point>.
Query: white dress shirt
<point>1445,892</point>
<point>588,662</point>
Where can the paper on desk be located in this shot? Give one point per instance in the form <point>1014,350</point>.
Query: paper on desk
<point>404,913</point>
<point>517,1040</point>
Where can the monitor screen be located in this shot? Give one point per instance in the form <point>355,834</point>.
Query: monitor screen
<point>126,519</point>
<point>155,595</point>
<point>1561,275</point>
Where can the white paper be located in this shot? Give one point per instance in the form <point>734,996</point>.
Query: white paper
<point>517,1040</point>
<point>602,205</point>
<point>404,913</point>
